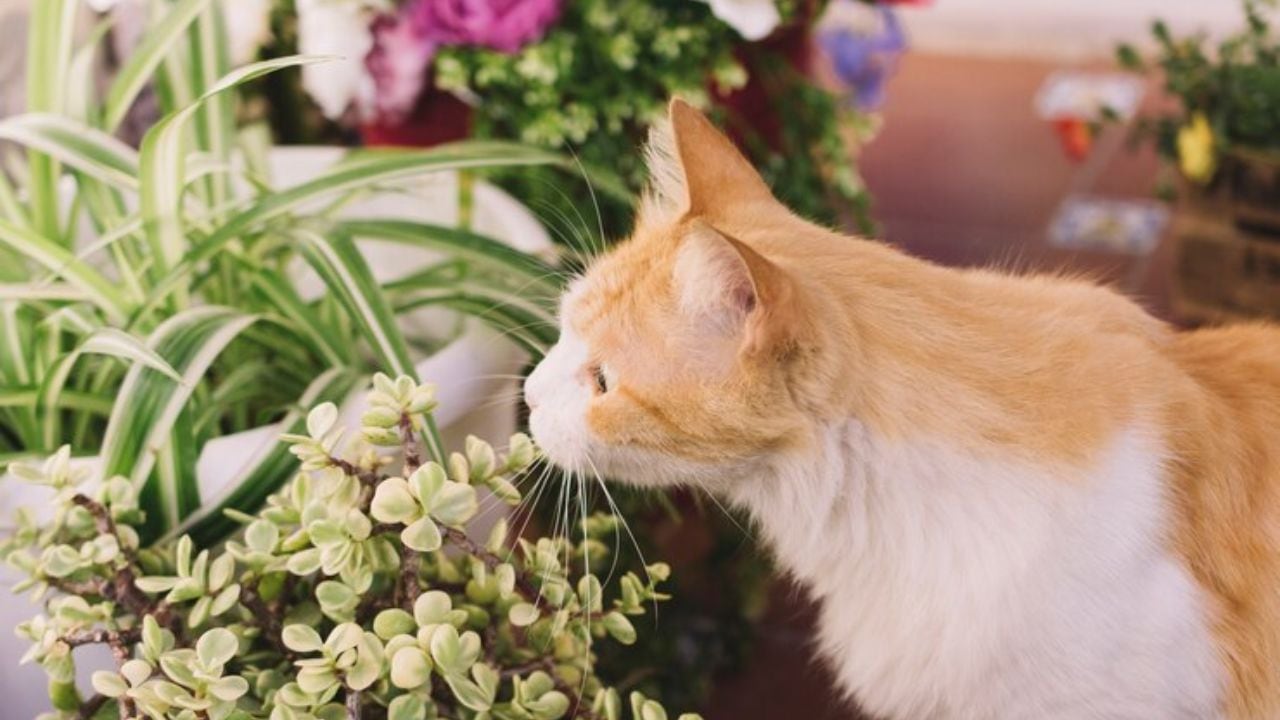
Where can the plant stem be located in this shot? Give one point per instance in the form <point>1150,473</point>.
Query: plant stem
<point>368,478</point>
<point>491,561</point>
<point>412,458</point>
<point>97,637</point>
<point>126,592</point>
<point>407,583</point>
<point>90,707</point>
<point>353,705</point>
<point>120,651</point>
<point>267,620</point>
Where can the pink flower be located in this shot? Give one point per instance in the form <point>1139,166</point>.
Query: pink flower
<point>402,52</point>
<point>505,25</point>
<point>405,43</point>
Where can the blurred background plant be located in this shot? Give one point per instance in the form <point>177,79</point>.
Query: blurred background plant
<point>1228,95</point>
<point>587,76</point>
<point>1220,138</point>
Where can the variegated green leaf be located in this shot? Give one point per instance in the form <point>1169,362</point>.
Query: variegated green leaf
<point>142,63</point>
<point>150,402</point>
<point>62,262</point>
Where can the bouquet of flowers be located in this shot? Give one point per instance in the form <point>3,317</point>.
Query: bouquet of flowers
<point>591,75</point>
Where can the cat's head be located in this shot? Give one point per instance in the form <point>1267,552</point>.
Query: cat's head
<point>678,348</point>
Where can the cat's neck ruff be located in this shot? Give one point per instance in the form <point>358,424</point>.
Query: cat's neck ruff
<point>952,584</point>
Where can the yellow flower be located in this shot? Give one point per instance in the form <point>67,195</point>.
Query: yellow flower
<point>1195,149</point>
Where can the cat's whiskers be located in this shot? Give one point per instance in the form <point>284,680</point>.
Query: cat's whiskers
<point>569,237</point>
<point>626,526</point>
<point>712,496</point>
<point>591,190</point>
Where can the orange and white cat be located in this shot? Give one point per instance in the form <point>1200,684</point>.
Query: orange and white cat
<point>1014,497</point>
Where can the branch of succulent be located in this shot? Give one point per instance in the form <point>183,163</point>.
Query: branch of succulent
<point>356,592</point>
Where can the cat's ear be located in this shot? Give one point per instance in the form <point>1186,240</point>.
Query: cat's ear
<point>729,290</point>
<point>694,169</point>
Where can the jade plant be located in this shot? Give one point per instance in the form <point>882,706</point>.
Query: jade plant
<point>357,591</point>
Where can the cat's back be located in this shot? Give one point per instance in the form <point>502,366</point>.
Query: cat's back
<point>1226,438</point>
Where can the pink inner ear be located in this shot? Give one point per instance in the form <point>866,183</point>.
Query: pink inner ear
<point>713,281</point>
<point>746,299</point>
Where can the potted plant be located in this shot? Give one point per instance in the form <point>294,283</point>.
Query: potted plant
<point>168,310</point>
<point>356,592</point>
<point>1223,138</point>
<point>175,257</point>
<point>1223,135</point>
<point>588,74</point>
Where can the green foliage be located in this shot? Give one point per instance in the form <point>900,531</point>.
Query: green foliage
<point>356,591</point>
<point>147,297</point>
<point>1234,86</point>
<point>606,71</point>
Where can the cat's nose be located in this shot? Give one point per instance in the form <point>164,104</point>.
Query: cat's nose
<point>528,398</point>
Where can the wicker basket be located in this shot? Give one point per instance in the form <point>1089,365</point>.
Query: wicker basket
<point>1223,271</point>
<point>1253,186</point>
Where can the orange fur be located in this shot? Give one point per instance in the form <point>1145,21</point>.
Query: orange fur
<point>1042,367</point>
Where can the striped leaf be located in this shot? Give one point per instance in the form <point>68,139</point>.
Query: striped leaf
<point>339,263</point>
<point>150,402</point>
<point>532,273</point>
<point>84,148</point>
<point>109,342</point>
<point>49,50</point>
<point>369,169</point>
<point>536,332</point>
<point>163,164</point>
<point>141,65</point>
<point>60,261</point>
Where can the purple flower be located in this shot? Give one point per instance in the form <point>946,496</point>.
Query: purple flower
<point>863,62</point>
<point>505,25</point>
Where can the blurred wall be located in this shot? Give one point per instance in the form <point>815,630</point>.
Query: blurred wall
<point>1067,30</point>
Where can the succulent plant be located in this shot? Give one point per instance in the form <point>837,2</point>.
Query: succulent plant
<point>355,592</point>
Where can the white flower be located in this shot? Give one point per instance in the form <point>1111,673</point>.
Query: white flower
<point>339,28</point>
<point>753,19</point>
<point>248,27</point>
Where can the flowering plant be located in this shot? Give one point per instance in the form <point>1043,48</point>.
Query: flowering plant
<point>588,74</point>
<point>357,591</point>
<point>1228,97</point>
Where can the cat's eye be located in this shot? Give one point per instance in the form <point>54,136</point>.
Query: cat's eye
<point>600,378</point>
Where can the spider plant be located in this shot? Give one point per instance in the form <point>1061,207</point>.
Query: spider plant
<point>147,300</point>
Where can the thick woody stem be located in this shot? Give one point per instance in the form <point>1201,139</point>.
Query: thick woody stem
<point>266,619</point>
<point>366,477</point>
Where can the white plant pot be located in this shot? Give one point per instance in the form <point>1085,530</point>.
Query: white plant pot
<point>475,397</point>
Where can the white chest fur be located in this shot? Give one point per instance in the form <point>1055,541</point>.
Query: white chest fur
<point>959,587</point>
